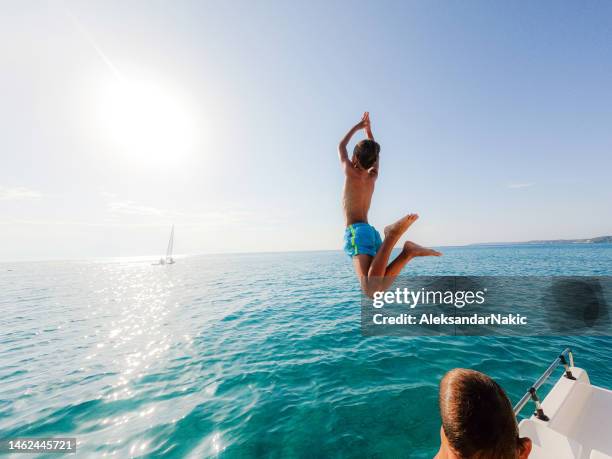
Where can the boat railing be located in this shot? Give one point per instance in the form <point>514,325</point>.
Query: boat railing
<point>566,358</point>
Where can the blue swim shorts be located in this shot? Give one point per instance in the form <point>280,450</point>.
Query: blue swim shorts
<point>361,239</point>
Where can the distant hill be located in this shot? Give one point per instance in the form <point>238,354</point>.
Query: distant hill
<point>593,240</point>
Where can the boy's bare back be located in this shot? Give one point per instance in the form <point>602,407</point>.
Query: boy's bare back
<point>357,193</point>
<point>359,182</point>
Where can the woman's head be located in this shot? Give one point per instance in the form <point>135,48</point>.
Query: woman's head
<point>477,419</point>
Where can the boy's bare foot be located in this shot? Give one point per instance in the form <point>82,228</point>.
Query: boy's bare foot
<point>399,227</point>
<point>416,250</point>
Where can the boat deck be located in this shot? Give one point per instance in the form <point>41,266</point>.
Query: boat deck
<point>579,425</point>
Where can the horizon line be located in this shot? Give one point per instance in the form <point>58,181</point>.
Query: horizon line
<point>196,254</point>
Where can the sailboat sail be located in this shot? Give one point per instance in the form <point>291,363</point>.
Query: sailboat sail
<point>170,247</point>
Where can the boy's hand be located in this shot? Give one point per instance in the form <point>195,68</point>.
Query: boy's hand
<point>367,126</point>
<point>365,121</point>
<point>363,124</point>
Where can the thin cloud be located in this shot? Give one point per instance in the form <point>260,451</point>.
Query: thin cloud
<point>132,208</point>
<point>18,193</point>
<point>520,185</point>
<point>213,218</point>
<point>206,218</point>
<point>108,195</point>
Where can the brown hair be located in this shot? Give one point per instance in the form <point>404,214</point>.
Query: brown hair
<point>366,152</point>
<point>477,416</point>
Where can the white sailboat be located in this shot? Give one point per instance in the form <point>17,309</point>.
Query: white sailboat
<point>168,260</point>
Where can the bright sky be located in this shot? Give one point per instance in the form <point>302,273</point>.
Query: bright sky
<point>122,118</point>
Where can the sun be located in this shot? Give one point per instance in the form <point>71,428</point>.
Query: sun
<point>147,122</point>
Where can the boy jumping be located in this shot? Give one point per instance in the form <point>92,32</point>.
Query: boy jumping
<point>361,240</point>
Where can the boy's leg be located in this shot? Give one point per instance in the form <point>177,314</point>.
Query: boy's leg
<point>409,251</point>
<point>373,272</point>
<point>374,279</point>
<point>393,233</point>
<point>362,266</point>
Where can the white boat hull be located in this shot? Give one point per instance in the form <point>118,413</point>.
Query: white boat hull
<point>580,421</point>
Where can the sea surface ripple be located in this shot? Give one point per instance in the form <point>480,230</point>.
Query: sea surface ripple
<point>253,355</point>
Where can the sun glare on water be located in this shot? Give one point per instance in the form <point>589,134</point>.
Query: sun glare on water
<point>148,123</point>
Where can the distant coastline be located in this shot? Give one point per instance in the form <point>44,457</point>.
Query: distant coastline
<point>593,240</point>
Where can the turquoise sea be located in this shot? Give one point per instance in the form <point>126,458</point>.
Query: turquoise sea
<point>255,355</point>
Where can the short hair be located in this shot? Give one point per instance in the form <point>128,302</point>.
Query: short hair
<point>477,416</point>
<point>366,152</point>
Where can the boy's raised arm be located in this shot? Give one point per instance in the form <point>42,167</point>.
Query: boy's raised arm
<point>363,124</point>
<point>368,127</point>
